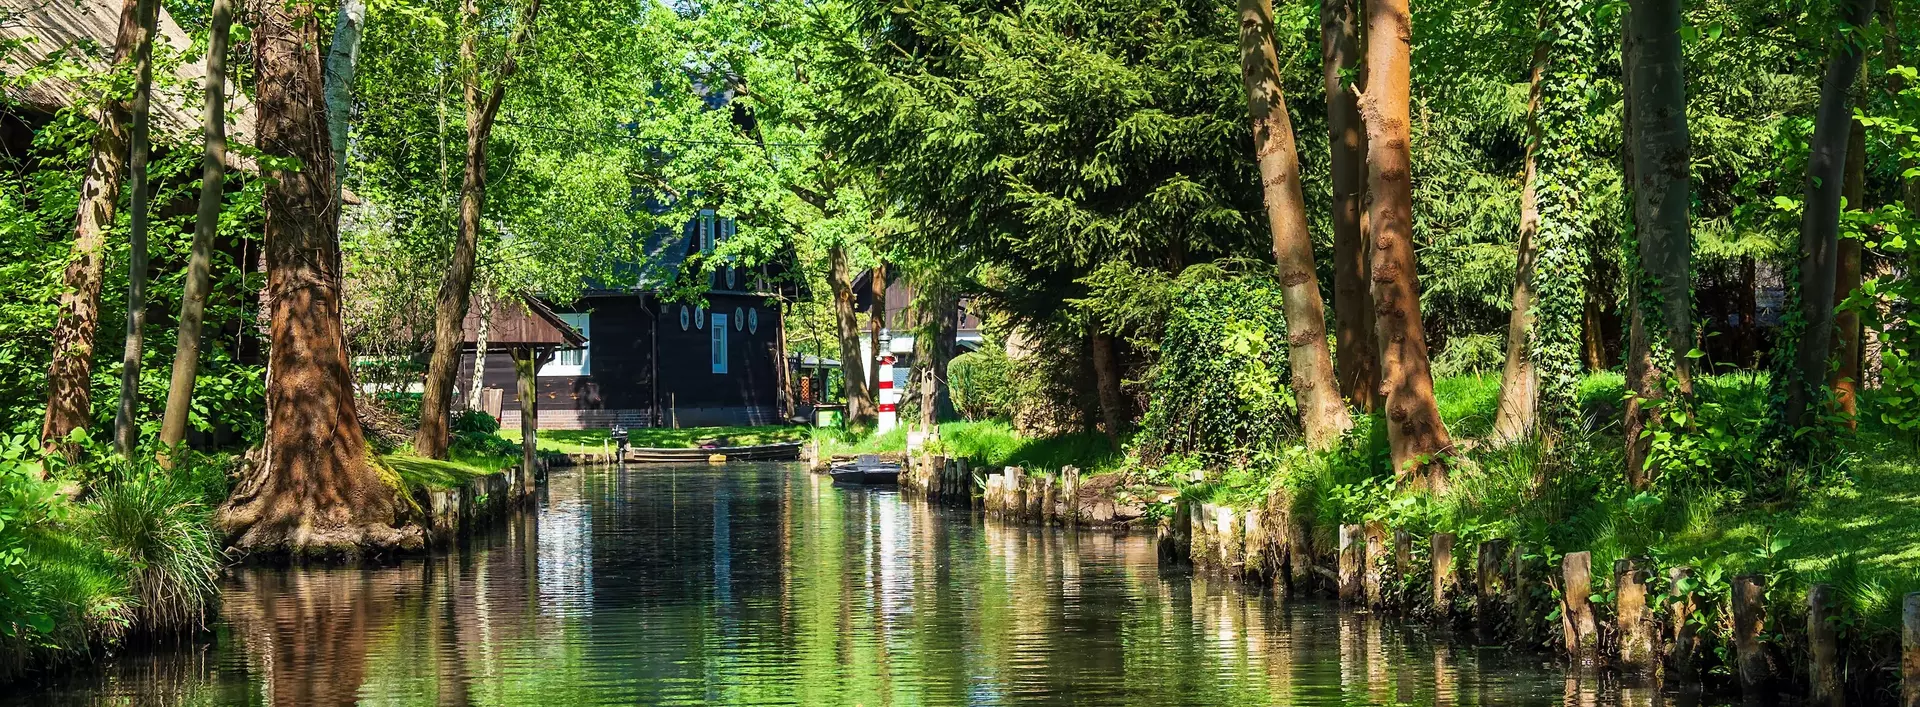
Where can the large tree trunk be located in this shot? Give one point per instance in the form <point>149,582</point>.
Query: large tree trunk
<point>1519,380</point>
<point>450,305</point>
<point>1357,357</point>
<point>342,59</point>
<point>70,375</point>
<point>213,171</point>
<point>126,431</point>
<point>1106,382</point>
<point>316,492</point>
<point>859,406</point>
<point>1416,436</point>
<point>1845,378</point>
<point>1322,412</point>
<point>1662,186</point>
<point>944,331</point>
<point>1820,221</point>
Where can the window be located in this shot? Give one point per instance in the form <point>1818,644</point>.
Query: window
<point>719,333</point>
<point>706,234</point>
<point>573,362</point>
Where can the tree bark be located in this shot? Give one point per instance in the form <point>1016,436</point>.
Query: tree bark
<point>1519,380</point>
<point>213,170</point>
<point>126,431</point>
<point>70,375</point>
<point>1322,412</point>
<point>1662,187</point>
<point>1106,374</point>
<point>450,305</point>
<point>479,384</point>
<point>1845,378</point>
<point>316,492</point>
<point>859,406</point>
<point>526,367</point>
<point>1357,357</point>
<point>876,322</point>
<point>1820,221</point>
<point>1416,436</point>
<point>342,59</point>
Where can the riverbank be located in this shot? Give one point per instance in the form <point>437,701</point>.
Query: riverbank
<point>600,441</point>
<point>1525,524</point>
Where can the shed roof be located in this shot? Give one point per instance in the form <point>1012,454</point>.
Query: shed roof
<point>519,322</point>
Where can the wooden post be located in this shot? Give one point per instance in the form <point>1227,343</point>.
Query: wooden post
<point>1631,621</point>
<point>1910,652</point>
<point>1256,547</point>
<point>1576,616</point>
<point>1519,598</point>
<point>1176,535</point>
<point>526,364</point>
<point>1823,643</point>
<point>1014,485</point>
<point>1352,547</point>
<point>1749,619</point>
<point>1686,637</point>
<point>1402,554</point>
<point>1490,587</point>
<point>1374,564</point>
<point>1070,489</point>
<point>1441,550</point>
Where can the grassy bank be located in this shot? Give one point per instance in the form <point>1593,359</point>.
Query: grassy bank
<point>988,443</point>
<point>598,441</point>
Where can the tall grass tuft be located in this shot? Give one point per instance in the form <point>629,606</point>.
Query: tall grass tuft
<point>161,532</point>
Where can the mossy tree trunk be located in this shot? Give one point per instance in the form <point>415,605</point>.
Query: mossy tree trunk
<point>1845,377</point>
<point>1356,356</point>
<point>316,492</point>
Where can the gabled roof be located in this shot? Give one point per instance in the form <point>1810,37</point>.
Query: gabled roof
<point>49,27</point>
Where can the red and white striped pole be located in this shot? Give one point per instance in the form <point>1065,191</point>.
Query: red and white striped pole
<point>889,396</point>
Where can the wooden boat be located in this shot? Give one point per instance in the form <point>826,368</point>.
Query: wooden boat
<point>867,469</point>
<point>778,451</point>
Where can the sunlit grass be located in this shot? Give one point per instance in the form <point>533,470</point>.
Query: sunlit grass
<point>600,440</point>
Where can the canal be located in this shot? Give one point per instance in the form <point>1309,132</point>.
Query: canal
<point>762,584</point>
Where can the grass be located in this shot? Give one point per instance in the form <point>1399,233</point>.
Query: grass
<point>597,441</point>
<point>988,443</point>
<point>436,473</point>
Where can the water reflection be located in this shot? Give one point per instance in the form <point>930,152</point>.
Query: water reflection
<point>760,584</point>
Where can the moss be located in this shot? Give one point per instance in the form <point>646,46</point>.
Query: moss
<point>419,472</point>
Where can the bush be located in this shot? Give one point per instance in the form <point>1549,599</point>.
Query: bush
<point>474,422</point>
<point>978,381</point>
<point>161,533</point>
<point>1220,390</point>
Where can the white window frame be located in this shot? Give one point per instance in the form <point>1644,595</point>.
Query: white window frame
<point>717,333</point>
<point>563,364</point>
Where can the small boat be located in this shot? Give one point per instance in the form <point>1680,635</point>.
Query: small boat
<point>867,469</point>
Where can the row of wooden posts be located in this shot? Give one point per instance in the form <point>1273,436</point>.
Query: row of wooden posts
<point>1374,567</point>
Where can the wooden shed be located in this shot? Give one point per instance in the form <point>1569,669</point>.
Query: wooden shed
<point>529,333</point>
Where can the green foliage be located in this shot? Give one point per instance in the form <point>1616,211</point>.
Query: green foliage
<point>979,383</point>
<point>159,527</point>
<point>1219,391</point>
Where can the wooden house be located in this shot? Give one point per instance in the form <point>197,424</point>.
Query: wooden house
<point>647,361</point>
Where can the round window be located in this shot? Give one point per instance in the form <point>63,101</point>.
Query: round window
<point>753,320</point>
<point>699,318</point>
<point>729,278</point>
<point>739,322</point>
<point>686,317</point>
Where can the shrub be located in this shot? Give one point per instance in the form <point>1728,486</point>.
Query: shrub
<point>161,532</point>
<point>978,381</point>
<point>1220,389</point>
<point>474,422</point>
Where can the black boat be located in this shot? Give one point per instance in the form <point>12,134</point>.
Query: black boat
<point>867,469</point>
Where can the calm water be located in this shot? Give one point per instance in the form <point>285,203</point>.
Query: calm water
<point>761,584</point>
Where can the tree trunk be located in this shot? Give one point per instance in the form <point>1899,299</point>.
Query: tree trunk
<point>877,321</point>
<point>1106,375</point>
<point>1519,381</point>
<point>1322,412</point>
<point>1357,363</point>
<point>479,384</point>
<point>859,406</point>
<point>1749,311</point>
<point>342,58</point>
<point>1661,189</point>
<point>316,492</point>
<point>1416,436</point>
<point>70,375</point>
<point>526,367</point>
<point>126,431</point>
<point>213,170</point>
<point>1593,333</point>
<point>1820,222</point>
<point>944,330</point>
<point>1845,378</point>
<point>450,305</point>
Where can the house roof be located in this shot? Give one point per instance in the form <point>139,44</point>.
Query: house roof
<point>520,322</point>
<point>86,30</point>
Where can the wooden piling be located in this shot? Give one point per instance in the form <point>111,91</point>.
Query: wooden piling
<point>1440,551</point>
<point>1256,551</point>
<point>1176,534</point>
<point>1519,595</point>
<point>1910,652</point>
<point>1352,547</point>
<point>1015,486</point>
<point>1681,605</point>
<point>1070,493</point>
<point>1402,554</point>
<point>1373,564</point>
<point>1490,588</point>
<point>1632,624</point>
<point>1576,614</point>
<point>1749,619</point>
<point>1823,648</point>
